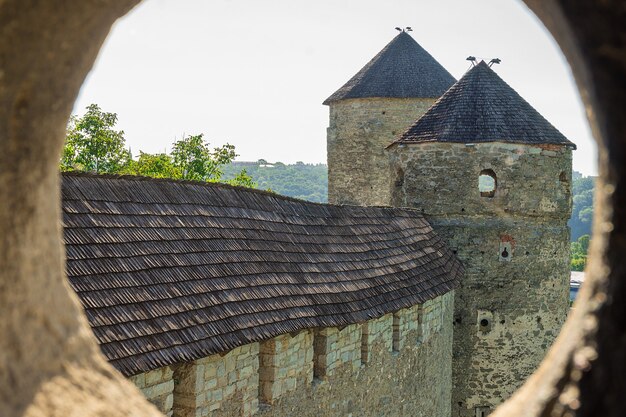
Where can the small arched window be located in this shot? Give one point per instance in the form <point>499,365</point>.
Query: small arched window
<point>487,183</point>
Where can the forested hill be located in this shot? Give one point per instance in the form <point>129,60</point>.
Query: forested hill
<point>582,208</point>
<point>299,180</point>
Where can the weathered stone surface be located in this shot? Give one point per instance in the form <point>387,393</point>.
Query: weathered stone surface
<point>416,381</point>
<point>285,361</point>
<point>225,384</point>
<point>158,388</point>
<point>515,248</point>
<point>359,132</point>
<point>376,332</point>
<point>50,364</point>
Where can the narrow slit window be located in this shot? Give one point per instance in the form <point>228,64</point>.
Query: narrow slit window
<point>395,341</point>
<point>487,183</point>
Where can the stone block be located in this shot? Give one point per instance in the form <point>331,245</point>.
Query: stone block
<point>154,377</point>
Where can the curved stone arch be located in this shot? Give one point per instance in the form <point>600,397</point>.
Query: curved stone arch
<point>49,361</point>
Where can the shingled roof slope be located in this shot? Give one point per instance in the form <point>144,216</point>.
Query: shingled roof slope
<point>402,69</point>
<point>171,271</point>
<point>481,107</point>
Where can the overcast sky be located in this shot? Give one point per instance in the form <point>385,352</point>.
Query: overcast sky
<point>254,73</point>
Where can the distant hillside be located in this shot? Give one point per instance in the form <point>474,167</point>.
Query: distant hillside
<point>582,209</point>
<point>299,180</point>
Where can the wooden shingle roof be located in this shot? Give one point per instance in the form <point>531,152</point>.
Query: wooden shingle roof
<point>481,107</point>
<point>172,271</point>
<point>402,69</point>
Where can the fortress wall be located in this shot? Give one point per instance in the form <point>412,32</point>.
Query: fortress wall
<point>442,179</point>
<point>406,328</point>
<point>158,387</point>
<point>431,316</point>
<point>376,334</point>
<point>286,362</point>
<point>275,378</point>
<point>415,381</point>
<point>508,309</point>
<point>222,384</point>
<point>358,133</point>
<point>335,348</point>
<point>508,312</point>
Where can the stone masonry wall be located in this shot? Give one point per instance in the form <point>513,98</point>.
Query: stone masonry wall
<point>414,380</point>
<point>158,387</point>
<point>358,133</point>
<point>514,245</point>
<point>441,179</point>
<point>336,348</point>
<point>219,384</point>
<point>407,329</point>
<point>431,318</point>
<point>375,333</point>
<point>286,362</point>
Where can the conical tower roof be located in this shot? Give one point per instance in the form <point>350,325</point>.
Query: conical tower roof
<point>481,107</point>
<point>402,69</point>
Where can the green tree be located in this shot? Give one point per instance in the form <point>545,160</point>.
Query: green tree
<point>582,209</point>
<point>243,180</point>
<point>92,144</point>
<point>578,253</point>
<point>194,160</point>
<point>157,165</point>
<point>583,241</point>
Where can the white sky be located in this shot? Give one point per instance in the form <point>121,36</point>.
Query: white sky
<point>254,73</point>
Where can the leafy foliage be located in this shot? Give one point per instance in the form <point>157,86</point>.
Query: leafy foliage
<point>243,180</point>
<point>579,251</point>
<point>157,165</point>
<point>581,220</point>
<point>92,144</point>
<point>582,209</point>
<point>299,180</point>
<point>194,160</point>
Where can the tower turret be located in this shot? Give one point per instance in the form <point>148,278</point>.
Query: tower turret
<point>368,113</point>
<point>494,177</point>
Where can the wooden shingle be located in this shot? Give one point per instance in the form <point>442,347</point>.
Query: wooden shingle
<point>172,271</point>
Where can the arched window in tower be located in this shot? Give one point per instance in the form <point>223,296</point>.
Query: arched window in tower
<point>487,183</point>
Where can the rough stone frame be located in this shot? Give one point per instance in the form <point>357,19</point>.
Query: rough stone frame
<point>49,361</point>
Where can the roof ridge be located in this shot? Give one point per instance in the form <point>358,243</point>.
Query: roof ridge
<point>221,185</point>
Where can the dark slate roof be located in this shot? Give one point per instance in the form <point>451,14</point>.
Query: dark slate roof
<point>402,69</point>
<point>481,107</point>
<point>172,271</point>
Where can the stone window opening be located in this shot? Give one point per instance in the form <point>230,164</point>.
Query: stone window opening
<point>319,351</point>
<point>506,251</point>
<point>563,177</point>
<point>485,320</point>
<point>487,183</point>
<point>365,348</point>
<point>395,340</point>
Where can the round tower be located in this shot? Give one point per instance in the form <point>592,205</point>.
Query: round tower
<point>369,112</point>
<point>493,177</point>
